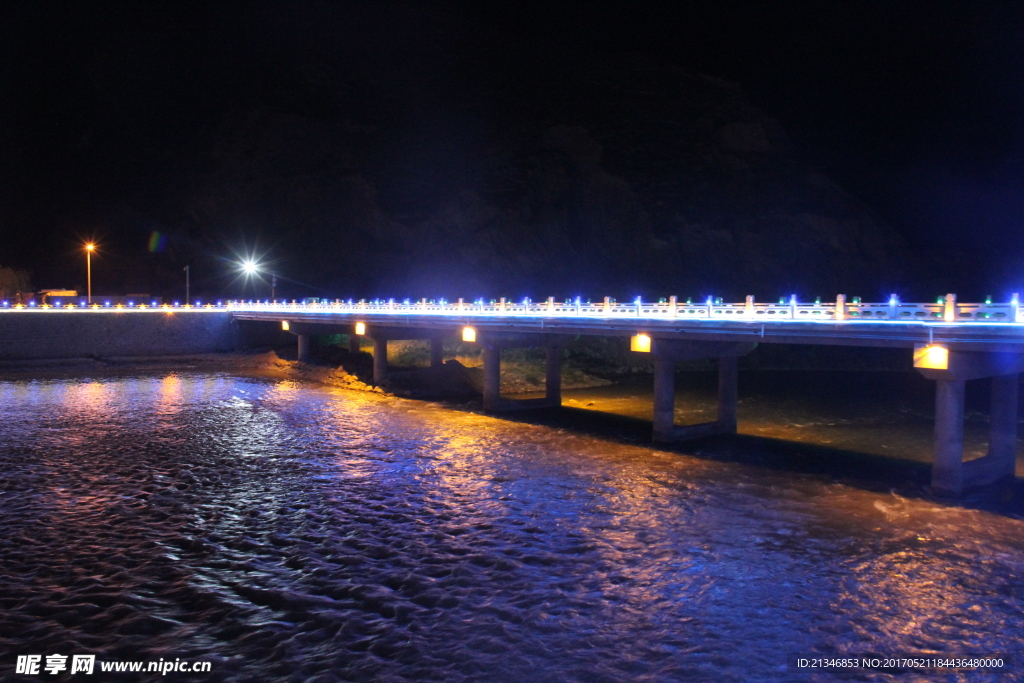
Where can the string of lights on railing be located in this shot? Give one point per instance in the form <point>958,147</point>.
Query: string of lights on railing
<point>945,309</point>
<point>84,305</point>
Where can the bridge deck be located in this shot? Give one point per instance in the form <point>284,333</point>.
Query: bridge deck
<point>965,334</point>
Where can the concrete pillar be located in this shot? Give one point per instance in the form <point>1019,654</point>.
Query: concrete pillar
<point>947,459</point>
<point>664,399</point>
<point>728,375</point>
<point>380,360</point>
<point>303,347</point>
<point>436,352</point>
<point>492,377</point>
<point>553,375</point>
<point>353,343</point>
<point>1002,444</point>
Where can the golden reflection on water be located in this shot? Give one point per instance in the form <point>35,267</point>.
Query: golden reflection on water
<point>885,430</point>
<point>88,399</point>
<point>169,398</point>
<point>603,537</point>
<point>898,593</point>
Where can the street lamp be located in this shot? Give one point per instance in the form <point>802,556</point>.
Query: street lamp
<point>89,248</point>
<point>251,268</point>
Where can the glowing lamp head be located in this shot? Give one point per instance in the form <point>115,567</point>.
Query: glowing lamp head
<point>931,357</point>
<point>285,326</point>
<point>90,247</point>
<point>640,343</point>
<point>468,334</point>
<point>249,267</point>
<point>361,329</point>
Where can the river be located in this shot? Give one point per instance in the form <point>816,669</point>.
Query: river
<point>293,532</point>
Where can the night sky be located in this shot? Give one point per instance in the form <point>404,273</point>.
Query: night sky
<point>327,135</point>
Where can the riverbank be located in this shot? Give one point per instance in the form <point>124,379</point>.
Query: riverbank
<point>348,371</point>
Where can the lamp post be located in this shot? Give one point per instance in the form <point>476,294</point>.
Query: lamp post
<point>89,248</point>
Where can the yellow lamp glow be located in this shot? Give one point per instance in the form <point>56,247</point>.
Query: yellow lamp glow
<point>468,334</point>
<point>949,308</point>
<point>285,326</point>
<point>931,357</point>
<point>361,329</point>
<point>641,343</point>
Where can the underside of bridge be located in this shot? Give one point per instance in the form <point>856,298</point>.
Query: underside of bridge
<point>951,475</point>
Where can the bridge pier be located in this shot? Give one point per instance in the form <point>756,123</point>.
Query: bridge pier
<point>553,344</point>
<point>951,370</point>
<point>381,335</point>
<point>303,347</point>
<point>948,449</point>
<point>436,351</point>
<point>553,375</point>
<point>666,354</point>
<point>380,359</point>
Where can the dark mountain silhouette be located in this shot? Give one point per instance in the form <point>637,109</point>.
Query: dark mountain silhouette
<point>425,160</point>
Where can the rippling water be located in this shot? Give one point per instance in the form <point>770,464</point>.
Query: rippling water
<point>291,532</point>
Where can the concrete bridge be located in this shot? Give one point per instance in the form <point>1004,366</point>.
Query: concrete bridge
<point>952,342</point>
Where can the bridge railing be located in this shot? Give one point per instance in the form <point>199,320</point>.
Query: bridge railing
<point>946,310</point>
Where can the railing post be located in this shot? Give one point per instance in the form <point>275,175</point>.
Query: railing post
<point>639,307</point>
<point>840,307</point>
<point>711,303</point>
<point>748,308</point>
<point>501,305</point>
<point>894,305</point>
<point>579,305</point>
<point>1015,308</point>
<point>423,304</point>
<point>551,305</point>
<point>949,309</point>
<point>607,305</point>
<point>792,307</point>
<point>673,306</point>
<point>391,304</point>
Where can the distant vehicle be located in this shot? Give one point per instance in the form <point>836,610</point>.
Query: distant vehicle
<point>71,296</point>
<point>47,296</point>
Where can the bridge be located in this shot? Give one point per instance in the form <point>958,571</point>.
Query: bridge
<point>951,342</point>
